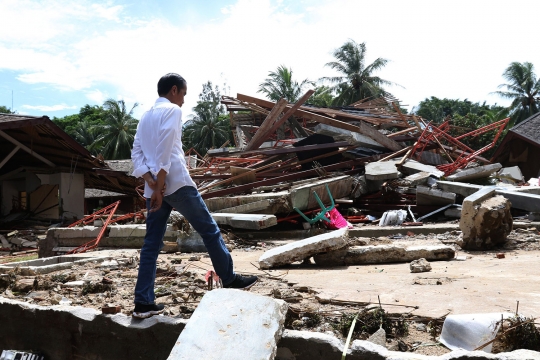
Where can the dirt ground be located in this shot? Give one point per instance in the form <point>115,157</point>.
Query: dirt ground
<point>320,299</point>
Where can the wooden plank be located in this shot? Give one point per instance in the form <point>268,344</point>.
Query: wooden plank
<point>267,124</point>
<point>294,176</point>
<point>364,128</point>
<point>402,132</point>
<point>292,149</point>
<point>397,153</point>
<point>277,123</point>
<point>398,110</point>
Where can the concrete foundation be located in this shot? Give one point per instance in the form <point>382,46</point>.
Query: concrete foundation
<point>66,332</point>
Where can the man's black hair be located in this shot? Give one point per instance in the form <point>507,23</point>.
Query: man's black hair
<point>167,81</point>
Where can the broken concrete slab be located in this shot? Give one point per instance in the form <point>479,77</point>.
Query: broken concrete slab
<point>50,264</point>
<point>352,138</point>
<point>512,173</point>
<point>398,251</point>
<point>429,196</point>
<point>249,208</point>
<point>521,200</point>
<point>300,250</point>
<point>412,167</point>
<point>235,323</point>
<point>420,178</point>
<point>136,231</point>
<point>245,221</point>
<point>218,204</point>
<point>302,198</point>
<point>385,170</point>
<point>478,172</point>
<point>485,221</point>
<point>458,188</point>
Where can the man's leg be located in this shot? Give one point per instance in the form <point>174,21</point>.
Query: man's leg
<point>189,203</point>
<point>156,225</point>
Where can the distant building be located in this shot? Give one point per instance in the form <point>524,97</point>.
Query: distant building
<point>521,147</point>
<point>44,172</point>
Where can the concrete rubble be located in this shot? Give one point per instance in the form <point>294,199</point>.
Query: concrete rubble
<point>420,265</point>
<point>234,322</point>
<point>473,173</point>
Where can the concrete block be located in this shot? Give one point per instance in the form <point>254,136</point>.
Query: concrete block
<point>392,253</point>
<point>522,200</point>
<point>245,221</point>
<point>412,167</point>
<point>485,221</point>
<point>300,250</point>
<point>381,171</point>
<point>420,178</point>
<point>76,232</point>
<point>231,324</point>
<point>478,172</point>
<point>429,196</point>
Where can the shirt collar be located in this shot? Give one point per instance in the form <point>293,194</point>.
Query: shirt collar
<point>162,100</point>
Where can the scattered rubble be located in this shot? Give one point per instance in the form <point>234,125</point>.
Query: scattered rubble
<point>420,265</point>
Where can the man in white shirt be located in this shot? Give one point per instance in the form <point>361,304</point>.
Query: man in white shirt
<point>158,158</point>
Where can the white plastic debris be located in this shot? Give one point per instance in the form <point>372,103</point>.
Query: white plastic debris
<point>393,217</point>
<point>470,331</point>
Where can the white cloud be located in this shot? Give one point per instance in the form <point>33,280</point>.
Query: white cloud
<point>58,107</point>
<point>97,96</point>
<point>450,48</point>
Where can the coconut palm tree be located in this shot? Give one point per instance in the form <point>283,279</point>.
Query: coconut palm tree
<point>523,89</point>
<point>356,80</point>
<point>115,136</point>
<point>209,127</point>
<point>85,134</point>
<point>280,84</point>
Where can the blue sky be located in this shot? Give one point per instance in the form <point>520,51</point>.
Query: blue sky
<point>57,56</point>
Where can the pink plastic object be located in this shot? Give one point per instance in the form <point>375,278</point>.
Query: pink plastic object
<point>337,221</point>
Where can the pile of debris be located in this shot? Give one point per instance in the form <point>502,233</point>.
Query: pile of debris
<point>20,242</point>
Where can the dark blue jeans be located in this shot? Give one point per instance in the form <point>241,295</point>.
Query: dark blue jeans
<point>189,203</point>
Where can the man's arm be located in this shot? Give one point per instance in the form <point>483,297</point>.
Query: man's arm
<point>137,157</point>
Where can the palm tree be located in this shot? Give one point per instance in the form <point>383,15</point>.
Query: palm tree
<point>85,134</point>
<point>280,84</point>
<point>116,135</point>
<point>522,88</point>
<point>205,131</point>
<point>356,80</point>
<point>209,127</point>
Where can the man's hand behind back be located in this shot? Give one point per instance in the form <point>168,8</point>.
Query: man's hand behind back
<point>155,201</point>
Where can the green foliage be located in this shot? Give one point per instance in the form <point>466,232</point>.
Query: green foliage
<point>209,127</point>
<point>356,80</point>
<point>115,135</point>
<point>435,109</point>
<point>323,96</point>
<point>523,89</point>
<point>5,110</point>
<point>280,84</point>
<point>368,322</point>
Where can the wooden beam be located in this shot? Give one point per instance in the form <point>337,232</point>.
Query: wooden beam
<point>26,148</point>
<point>402,132</point>
<point>264,129</point>
<point>363,129</point>
<point>397,153</point>
<point>398,110</point>
<point>10,155</point>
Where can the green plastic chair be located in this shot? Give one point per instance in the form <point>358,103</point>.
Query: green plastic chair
<point>324,210</point>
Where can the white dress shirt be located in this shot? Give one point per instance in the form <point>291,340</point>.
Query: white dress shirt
<point>158,145</point>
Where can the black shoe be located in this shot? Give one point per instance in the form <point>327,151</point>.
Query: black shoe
<point>242,282</point>
<point>145,311</point>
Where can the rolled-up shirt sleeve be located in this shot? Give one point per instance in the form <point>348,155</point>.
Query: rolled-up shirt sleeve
<point>169,132</point>
<point>137,157</point>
